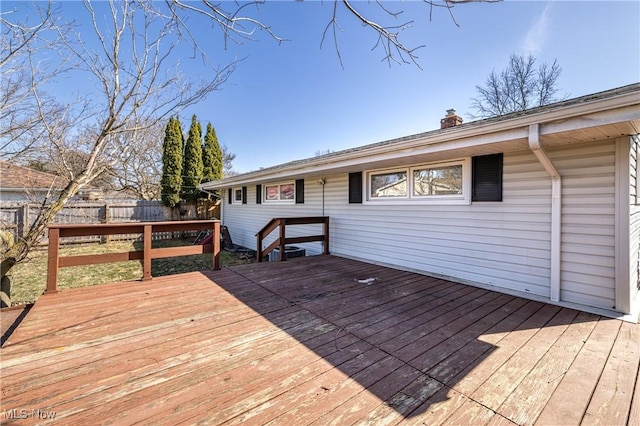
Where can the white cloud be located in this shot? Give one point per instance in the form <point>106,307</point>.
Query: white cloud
<point>536,36</point>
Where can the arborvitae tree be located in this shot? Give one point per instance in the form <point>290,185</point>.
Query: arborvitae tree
<point>192,166</point>
<point>211,156</point>
<point>172,163</point>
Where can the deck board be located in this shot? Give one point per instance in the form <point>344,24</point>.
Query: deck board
<point>308,341</point>
<point>611,401</point>
<point>526,402</point>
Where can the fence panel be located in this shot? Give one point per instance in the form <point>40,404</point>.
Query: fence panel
<point>76,213</point>
<point>10,219</point>
<point>16,218</point>
<point>139,211</point>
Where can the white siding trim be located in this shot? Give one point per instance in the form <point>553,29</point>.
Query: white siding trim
<point>634,225</point>
<point>622,226</point>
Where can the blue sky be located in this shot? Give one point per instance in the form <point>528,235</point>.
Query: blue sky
<point>288,101</point>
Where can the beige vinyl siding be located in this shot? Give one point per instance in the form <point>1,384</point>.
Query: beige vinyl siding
<point>245,220</point>
<point>503,244</point>
<point>588,222</point>
<point>634,230</point>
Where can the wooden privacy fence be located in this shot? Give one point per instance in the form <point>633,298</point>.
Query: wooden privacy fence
<point>17,218</point>
<point>146,254</point>
<point>282,240</point>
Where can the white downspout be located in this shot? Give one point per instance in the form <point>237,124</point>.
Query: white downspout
<point>556,209</point>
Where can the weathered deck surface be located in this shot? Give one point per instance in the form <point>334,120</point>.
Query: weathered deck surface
<point>303,342</point>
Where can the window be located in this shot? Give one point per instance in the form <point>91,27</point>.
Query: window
<point>388,184</point>
<point>239,195</point>
<point>280,193</point>
<point>438,183</point>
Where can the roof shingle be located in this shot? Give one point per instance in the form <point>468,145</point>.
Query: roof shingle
<point>13,176</point>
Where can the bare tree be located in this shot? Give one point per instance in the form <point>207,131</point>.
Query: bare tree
<point>129,55</point>
<point>129,52</point>
<point>227,160</point>
<point>139,170</point>
<point>25,67</point>
<point>385,23</point>
<point>518,87</point>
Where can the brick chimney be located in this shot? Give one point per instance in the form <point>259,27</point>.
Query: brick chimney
<point>450,120</point>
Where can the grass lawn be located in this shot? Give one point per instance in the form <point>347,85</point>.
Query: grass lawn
<point>28,279</point>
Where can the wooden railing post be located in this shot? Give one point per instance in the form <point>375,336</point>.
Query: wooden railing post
<point>146,257</point>
<point>283,238</point>
<point>216,245</point>
<point>56,232</point>
<point>52,260</point>
<point>326,235</point>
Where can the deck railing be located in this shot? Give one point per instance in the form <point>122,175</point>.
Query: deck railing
<point>57,231</point>
<point>282,240</point>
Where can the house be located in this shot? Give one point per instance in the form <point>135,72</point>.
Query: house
<point>542,203</point>
<point>19,185</point>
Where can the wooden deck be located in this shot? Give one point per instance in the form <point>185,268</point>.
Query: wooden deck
<point>308,341</point>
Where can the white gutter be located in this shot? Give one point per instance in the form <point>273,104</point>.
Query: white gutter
<point>556,209</point>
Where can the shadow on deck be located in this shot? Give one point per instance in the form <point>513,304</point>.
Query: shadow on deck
<point>315,340</point>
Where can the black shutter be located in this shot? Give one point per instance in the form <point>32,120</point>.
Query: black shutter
<point>487,178</point>
<point>355,188</point>
<point>230,193</point>
<point>258,194</point>
<point>244,195</point>
<point>300,191</point>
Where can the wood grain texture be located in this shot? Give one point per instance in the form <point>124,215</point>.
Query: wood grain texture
<point>310,341</point>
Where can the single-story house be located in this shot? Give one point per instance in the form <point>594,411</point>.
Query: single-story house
<point>542,203</point>
<point>19,185</point>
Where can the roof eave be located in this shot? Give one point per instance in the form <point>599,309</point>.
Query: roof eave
<point>556,118</point>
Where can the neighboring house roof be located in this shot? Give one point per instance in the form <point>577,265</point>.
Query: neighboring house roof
<point>15,177</point>
<point>613,112</point>
<point>24,180</point>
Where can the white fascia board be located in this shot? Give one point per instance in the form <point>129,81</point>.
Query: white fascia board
<point>620,108</point>
<point>629,113</point>
<point>364,157</point>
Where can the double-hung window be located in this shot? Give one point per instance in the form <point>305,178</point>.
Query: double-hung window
<point>237,196</point>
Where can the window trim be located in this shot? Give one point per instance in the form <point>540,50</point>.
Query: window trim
<point>279,185</point>
<point>234,194</point>
<point>409,198</point>
<point>372,173</point>
<point>239,190</point>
